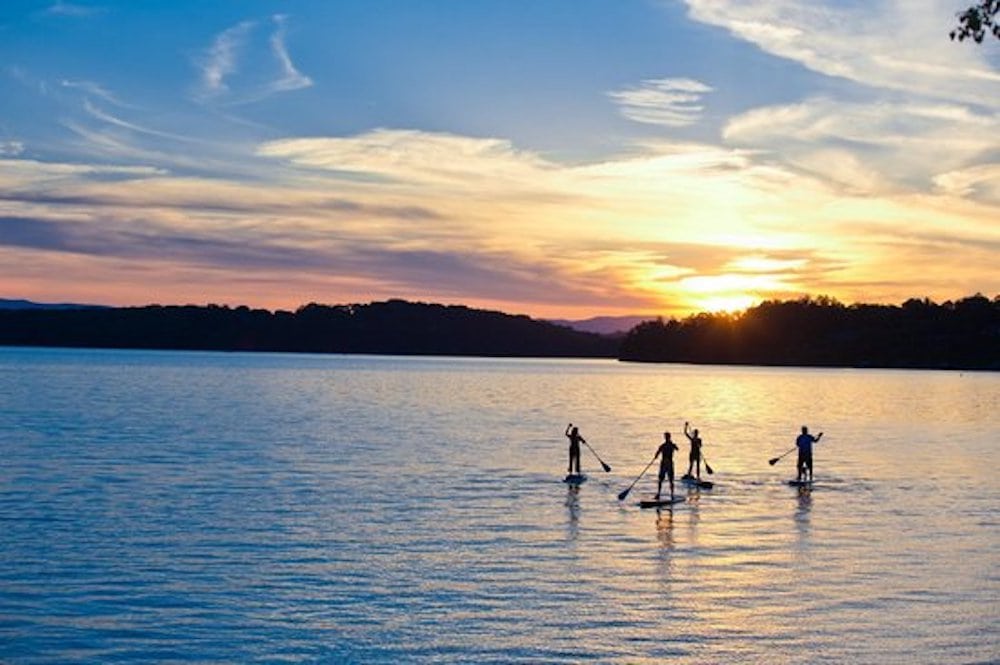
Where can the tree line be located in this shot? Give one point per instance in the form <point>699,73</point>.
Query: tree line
<point>391,327</point>
<point>964,334</point>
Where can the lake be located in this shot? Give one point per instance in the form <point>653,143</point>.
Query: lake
<point>176,507</point>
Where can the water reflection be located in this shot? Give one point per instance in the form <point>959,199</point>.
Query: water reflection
<point>665,527</point>
<point>694,515</point>
<point>693,494</point>
<point>665,536</point>
<point>803,512</point>
<point>573,510</point>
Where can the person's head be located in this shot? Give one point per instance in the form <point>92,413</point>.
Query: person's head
<point>696,432</point>
<point>805,430</point>
<point>666,436</point>
<point>575,430</point>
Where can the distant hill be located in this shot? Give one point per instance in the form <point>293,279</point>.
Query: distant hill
<point>603,325</point>
<point>391,327</point>
<point>28,304</point>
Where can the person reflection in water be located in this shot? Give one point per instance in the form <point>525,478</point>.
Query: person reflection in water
<point>694,458</point>
<point>573,434</point>
<point>666,455</point>
<point>805,461</point>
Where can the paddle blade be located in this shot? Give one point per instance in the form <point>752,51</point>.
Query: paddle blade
<point>607,469</point>
<point>624,493</point>
<point>773,461</point>
<point>709,469</point>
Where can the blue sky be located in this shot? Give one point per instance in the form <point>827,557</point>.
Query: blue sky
<point>549,157</point>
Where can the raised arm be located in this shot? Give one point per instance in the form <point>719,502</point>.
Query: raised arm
<point>568,428</point>
<point>687,431</point>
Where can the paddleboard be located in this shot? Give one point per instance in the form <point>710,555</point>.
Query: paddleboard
<point>800,483</point>
<point>575,478</point>
<point>660,503</point>
<point>694,482</point>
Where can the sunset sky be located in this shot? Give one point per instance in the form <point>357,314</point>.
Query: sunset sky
<point>561,158</point>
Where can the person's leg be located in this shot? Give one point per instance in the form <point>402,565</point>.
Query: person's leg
<point>809,464</point>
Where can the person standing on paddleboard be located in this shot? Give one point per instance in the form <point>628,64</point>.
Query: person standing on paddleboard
<point>694,457</point>
<point>573,434</point>
<point>666,454</point>
<point>804,442</point>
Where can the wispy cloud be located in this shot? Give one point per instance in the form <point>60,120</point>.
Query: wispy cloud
<point>70,9</point>
<point>671,102</point>
<point>879,146</point>
<point>221,59</point>
<point>291,78</point>
<point>94,111</point>
<point>93,89</point>
<point>886,44</point>
<point>981,181</point>
<point>222,80</point>
<point>11,148</point>
<point>415,157</point>
<point>447,272</point>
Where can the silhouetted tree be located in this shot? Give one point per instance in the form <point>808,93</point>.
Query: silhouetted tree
<point>823,332</point>
<point>976,21</point>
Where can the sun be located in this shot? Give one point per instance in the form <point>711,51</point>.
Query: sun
<point>726,303</point>
<point>727,292</point>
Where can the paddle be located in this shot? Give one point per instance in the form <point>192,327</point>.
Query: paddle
<point>624,493</point>
<point>774,460</point>
<point>607,468</point>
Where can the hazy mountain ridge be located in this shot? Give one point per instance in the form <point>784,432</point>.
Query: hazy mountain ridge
<point>603,325</point>
<point>6,303</point>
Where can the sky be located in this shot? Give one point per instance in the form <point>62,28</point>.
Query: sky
<point>556,158</point>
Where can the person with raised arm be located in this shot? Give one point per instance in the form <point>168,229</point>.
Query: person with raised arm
<point>694,457</point>
<point>573,434</point>
<point>804,443</point>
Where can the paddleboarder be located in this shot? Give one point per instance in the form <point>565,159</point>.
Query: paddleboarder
<point>694,457</point>
<point>804,443</point>
<point>573,434</point>
<point>666,455</point>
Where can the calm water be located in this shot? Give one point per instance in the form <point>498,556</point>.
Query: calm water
<point>221,508</point>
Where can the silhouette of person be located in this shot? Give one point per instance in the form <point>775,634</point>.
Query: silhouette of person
<point>694,457</point>
<point>804,443</point>
<point>573,434</point>
<point>666,454</point>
